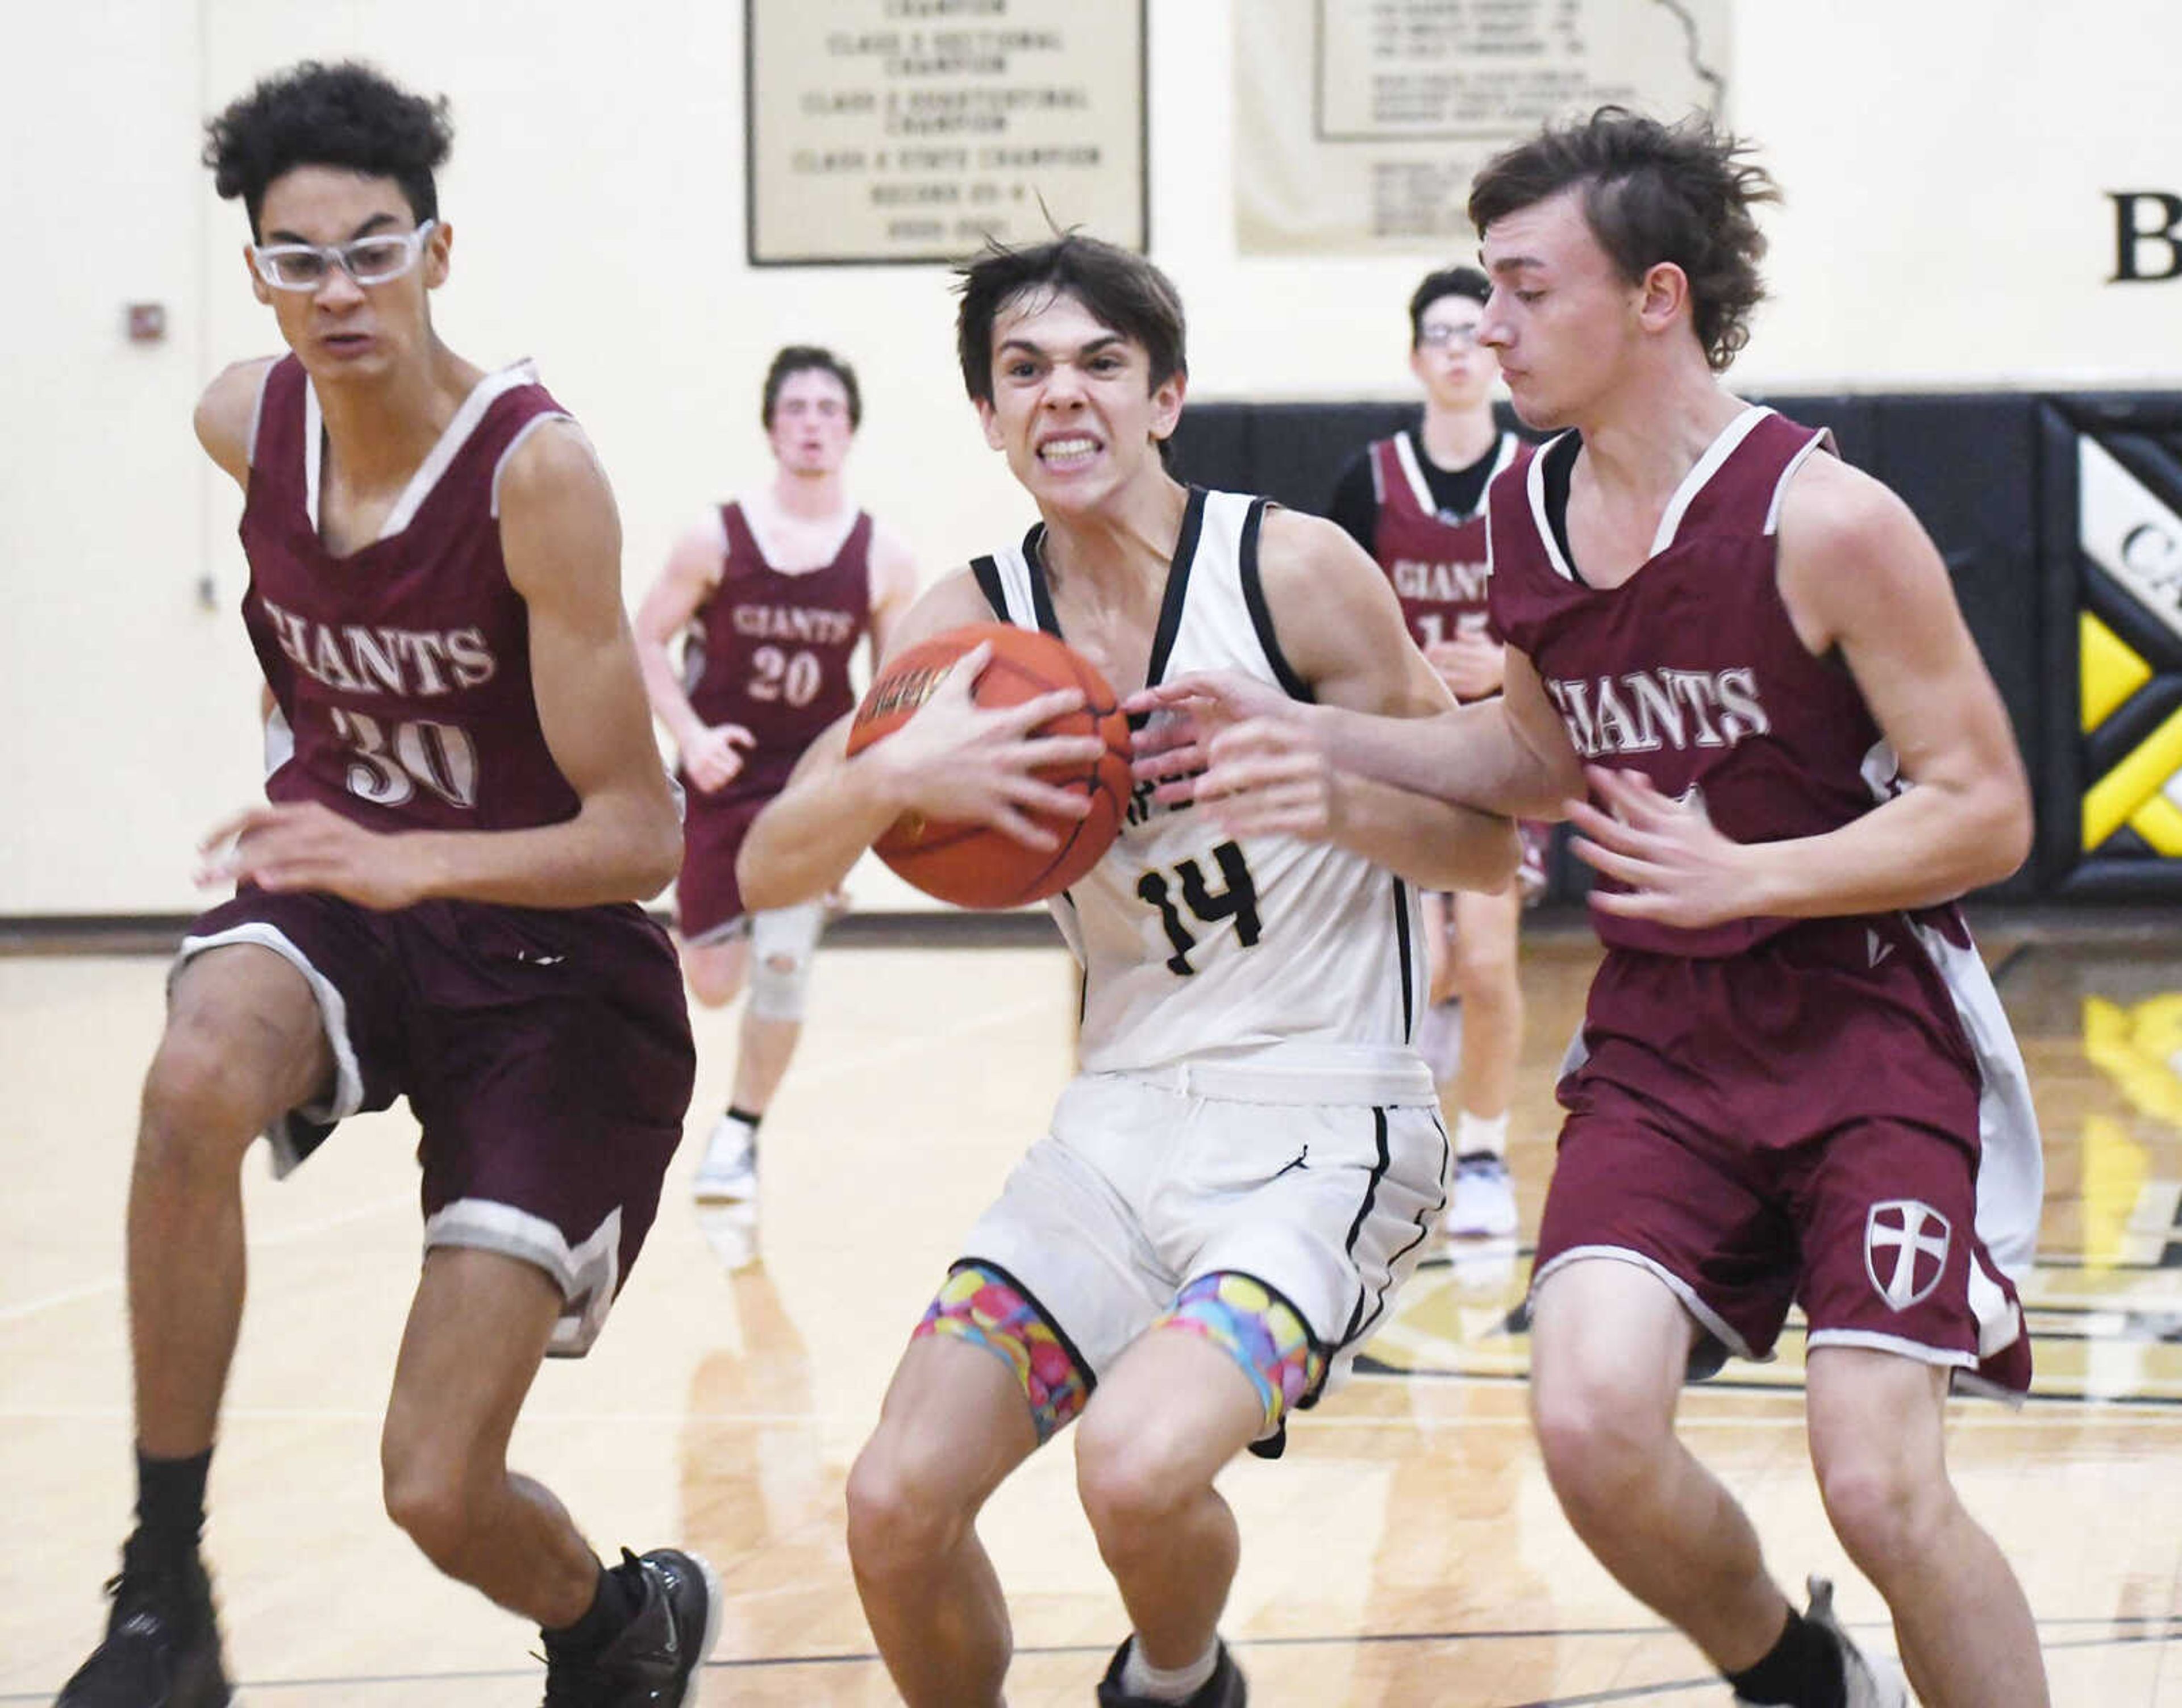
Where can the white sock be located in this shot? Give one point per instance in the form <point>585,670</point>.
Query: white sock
<point>1139,1677</point>
<point>1478,1133</point>
<point>1439,1041</point>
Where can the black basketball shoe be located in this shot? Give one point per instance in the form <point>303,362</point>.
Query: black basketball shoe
<point>162,1647</point>
<point>1223,1689</point>
<point>651,1663</point>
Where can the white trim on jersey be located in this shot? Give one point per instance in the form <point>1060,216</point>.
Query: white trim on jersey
<point>258,410</point>
<point>1413,472</point>
<point>1717,453</point>
<point>456,434</point>
<point>1824,438</point>
<point>2011,1173</point>
<point>1405,452</point>
<point>1510,446</point>
<point>1534,488</point>
<point>314,432</point>
<point>769,550</point>
<point>522,433</point>
<point>1014,570</point>
<point>483,395</point>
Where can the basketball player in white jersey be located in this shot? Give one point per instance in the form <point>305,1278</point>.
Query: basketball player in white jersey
<point>1252,1157</point>
<point>771,594</point>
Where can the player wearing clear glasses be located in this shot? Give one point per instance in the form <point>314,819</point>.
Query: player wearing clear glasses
<point>1416,502</point>
<point>437,899</point>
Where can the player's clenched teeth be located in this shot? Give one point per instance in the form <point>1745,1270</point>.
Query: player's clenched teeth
<point>1062,453</point>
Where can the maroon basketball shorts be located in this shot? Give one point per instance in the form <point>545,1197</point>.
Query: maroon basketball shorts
<point>708,902</point>
<point>1797,1123</point>
<point>545,1053</point>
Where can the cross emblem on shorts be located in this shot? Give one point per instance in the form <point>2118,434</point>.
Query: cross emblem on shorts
<point>1916,1236</point>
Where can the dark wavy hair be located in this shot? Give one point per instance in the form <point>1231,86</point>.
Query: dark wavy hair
<point>807,358</point>
<point>1120,288</point>
<point>1681,193</point>
<point>313,114</point>
<point>1465,282</point>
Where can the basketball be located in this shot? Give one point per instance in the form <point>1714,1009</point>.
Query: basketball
<point>973,865</point>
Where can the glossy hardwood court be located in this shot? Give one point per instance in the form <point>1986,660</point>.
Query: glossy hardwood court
<point>1407,1551</point>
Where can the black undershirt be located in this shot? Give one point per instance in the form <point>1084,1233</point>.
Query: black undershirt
<point>1559,459</point>
<point>1456,492</point>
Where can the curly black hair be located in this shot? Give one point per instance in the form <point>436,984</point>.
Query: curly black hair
<point>314,115</point>
<point>1682,193</point>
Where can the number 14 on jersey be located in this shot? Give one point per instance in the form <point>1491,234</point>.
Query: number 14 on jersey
<point>1237,901</point>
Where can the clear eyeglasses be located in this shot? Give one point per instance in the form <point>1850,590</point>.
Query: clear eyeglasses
<point>1459,337</point>
<point>370,260</point>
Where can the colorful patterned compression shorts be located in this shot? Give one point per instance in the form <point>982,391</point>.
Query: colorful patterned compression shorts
<point>1259,1330</point>
<point>982,1306</point>
<point>1243,1318</point>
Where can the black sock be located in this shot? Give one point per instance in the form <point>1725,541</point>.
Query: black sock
<point>170,1503</point>
<point>1802,1670</point>
<point>746,1117</point>
<point>614,1604</point>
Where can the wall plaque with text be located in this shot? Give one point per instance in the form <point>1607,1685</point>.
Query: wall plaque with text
<point>910,130</point>
<point>1360,122</point>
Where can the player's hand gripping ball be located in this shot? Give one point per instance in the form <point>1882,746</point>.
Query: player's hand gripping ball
<point>974,865</point>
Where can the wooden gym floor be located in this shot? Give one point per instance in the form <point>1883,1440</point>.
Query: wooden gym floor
<point>1407,1551</point>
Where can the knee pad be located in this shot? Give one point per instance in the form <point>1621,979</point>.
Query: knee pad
<point>1263,1333</point>
<point>980,1305</point>
<point>782,943</point>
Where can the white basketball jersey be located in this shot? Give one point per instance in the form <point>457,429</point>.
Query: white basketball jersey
<point>1270,951</point>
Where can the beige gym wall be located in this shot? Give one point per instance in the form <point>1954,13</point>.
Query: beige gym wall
<point>1946,162</point>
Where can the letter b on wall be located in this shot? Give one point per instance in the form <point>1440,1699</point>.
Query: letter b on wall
<point>2145,247</point>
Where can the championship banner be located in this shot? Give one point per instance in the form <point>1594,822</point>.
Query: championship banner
<point>1359,123</point>
<point>910,130</point>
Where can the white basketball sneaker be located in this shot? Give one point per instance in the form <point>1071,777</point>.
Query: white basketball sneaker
<point>1484,1201</point>
<point>1871,1681</point>
<point>729,1173</point>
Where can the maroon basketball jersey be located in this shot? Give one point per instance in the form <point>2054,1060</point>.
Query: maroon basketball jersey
<point>401,671</point>
<point>1436,560</point>
<point>1691,672</point>
<point>774,648</point>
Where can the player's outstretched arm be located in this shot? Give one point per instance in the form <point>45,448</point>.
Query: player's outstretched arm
<point>1508,755</point>
<point>1342,632</point>
<point>951,760</point>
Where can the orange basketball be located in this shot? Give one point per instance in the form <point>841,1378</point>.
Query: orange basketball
<point>974,865</point>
